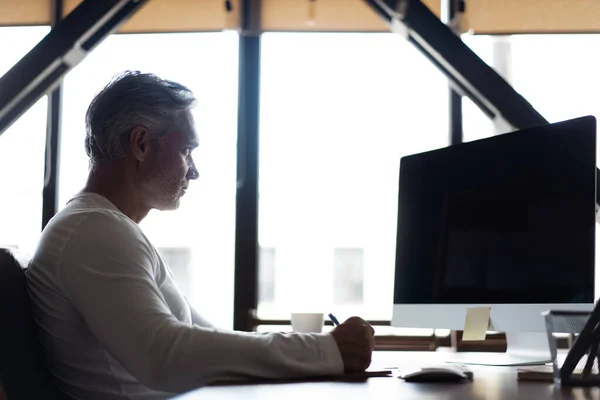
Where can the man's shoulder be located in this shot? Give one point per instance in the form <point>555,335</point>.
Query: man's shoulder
<point>102,221</point>
<point>93,221</point>
<point>102,230</point>
<point>94,237</point>
<point>89,231</point>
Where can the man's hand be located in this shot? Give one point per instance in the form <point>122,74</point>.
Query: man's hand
<point>355,339</point>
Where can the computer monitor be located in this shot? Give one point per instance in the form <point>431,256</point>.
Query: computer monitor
<point>506,222</point>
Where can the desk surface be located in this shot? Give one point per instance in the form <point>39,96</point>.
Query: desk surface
<point>490,383</point>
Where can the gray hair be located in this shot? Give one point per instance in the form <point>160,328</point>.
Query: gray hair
<point>130,100</point>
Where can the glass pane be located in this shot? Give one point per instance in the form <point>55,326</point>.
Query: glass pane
<point>22,149</point>
<point>266,276</point>
<point>558,74</point>
<point>477,125</point>
<point>348,276</point>
<point>337,113</point>
<point>198,239</point>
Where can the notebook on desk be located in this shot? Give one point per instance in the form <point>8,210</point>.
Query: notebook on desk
<point>347,377</point>
<point>539,373</point>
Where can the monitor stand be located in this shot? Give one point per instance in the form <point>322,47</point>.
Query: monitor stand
<point>522,349</point>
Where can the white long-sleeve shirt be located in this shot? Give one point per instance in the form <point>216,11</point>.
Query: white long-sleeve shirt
<point>116,327</point>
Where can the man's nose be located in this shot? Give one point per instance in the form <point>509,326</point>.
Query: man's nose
<point>192,172</point>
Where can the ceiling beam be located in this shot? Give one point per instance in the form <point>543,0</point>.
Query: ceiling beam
<point>43,68</point>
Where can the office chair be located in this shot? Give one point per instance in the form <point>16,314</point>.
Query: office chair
<point>23,372</point>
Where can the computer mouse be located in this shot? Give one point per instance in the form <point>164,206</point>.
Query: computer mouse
<point>438,373</point>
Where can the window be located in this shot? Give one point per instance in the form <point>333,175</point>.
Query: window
<point>266,275</point>
<point>477,125</point>
<point>338,110</point>
<point>558,74</point>
<point>204,224</point>
<point>348,276</point>
<point>179,261</point>
<point>22,151</point>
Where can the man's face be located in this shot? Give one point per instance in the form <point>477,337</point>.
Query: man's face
<point>170,166</point>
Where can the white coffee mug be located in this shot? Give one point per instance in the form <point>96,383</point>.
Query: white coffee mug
<point>307,322</point>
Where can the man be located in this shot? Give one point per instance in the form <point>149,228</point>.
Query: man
<point>109,313</point>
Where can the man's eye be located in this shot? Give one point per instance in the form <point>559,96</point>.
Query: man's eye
<point>187,151</point>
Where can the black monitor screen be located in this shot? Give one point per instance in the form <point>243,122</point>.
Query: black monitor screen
<point>504,220</point>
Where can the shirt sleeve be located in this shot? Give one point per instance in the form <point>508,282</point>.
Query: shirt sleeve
<point>107,273</point>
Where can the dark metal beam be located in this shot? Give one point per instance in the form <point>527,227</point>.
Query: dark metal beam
<point>246,222</point>
<point>454,10</point>
<point>455,117</point>
<point>53,126</point>
<point>468,74</point>
<point>41,70</point>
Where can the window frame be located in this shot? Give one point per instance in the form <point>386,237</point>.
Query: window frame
<point>246,276</point>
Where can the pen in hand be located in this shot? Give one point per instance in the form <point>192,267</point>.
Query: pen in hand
<point>334,320</point>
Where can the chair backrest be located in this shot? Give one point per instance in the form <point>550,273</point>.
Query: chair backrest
<point>23,371</point>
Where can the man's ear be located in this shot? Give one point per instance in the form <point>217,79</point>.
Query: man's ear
<point>139,140</point>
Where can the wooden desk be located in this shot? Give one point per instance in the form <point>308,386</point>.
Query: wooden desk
<point>489,383</point>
